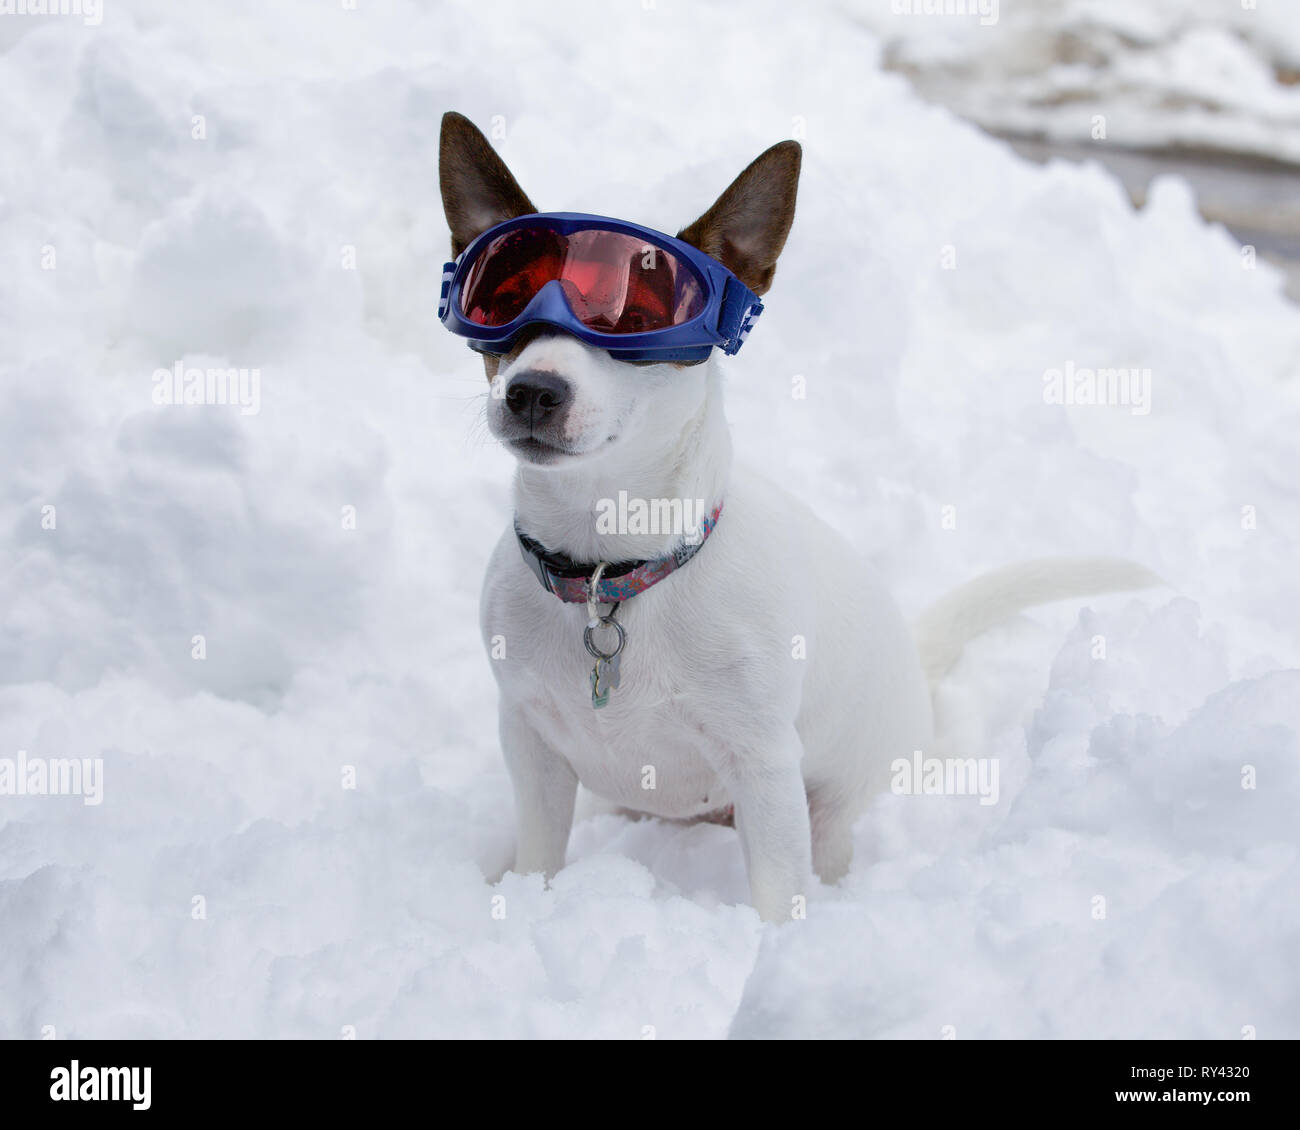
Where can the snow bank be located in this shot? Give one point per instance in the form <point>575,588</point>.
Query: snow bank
<point>328,548</point>
<point>1215,75</point>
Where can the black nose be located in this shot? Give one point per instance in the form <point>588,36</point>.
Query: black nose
<point>534,394</point>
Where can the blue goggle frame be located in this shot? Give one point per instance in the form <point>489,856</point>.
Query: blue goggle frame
<point>730,307</point>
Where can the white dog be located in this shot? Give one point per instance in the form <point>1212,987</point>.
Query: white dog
<point>769,675</point>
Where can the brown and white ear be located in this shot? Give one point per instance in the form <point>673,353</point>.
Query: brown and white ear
<point>746,228</point>
<point>478,191</point>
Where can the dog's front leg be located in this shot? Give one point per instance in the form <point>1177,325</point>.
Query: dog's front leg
<point>545,790</point>
<point>772,821</point>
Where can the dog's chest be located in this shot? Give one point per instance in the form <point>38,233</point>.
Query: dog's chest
<point>645,749</point>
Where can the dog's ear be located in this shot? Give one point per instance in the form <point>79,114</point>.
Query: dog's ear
<point>746,228</point>
<point>478,190</point>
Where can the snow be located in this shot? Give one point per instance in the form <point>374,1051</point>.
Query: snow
<point>333,650</point>
<point>1217,75</point>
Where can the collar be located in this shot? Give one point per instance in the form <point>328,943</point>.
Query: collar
<point>569,579</point>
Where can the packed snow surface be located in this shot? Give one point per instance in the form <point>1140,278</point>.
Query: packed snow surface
<point>255,186</point>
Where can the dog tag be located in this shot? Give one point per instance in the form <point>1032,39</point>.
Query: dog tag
<point>599,690</point>
<point>604,675</point>
<point>604,678</point>
<point>609,671</point>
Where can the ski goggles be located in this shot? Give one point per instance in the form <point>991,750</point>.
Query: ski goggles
<point>636,292</point>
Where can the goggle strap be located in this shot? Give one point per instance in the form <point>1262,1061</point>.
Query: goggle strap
<point>740,310</point>
<point>751,317</point>
<point>444,299</point>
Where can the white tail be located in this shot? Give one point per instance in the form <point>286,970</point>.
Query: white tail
<point>949,624</point>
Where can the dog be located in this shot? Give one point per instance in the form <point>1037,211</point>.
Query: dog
<point>765,678</point>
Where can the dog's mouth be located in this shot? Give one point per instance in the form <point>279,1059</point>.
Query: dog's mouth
<point>534,449</point>
<point>540,452</point>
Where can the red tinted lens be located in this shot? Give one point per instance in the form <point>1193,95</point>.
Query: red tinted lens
<point>615,283</point>
<point>508,273</point>
<point>628,285</point>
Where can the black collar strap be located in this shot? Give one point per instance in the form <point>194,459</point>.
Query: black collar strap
<point>569,579</point>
